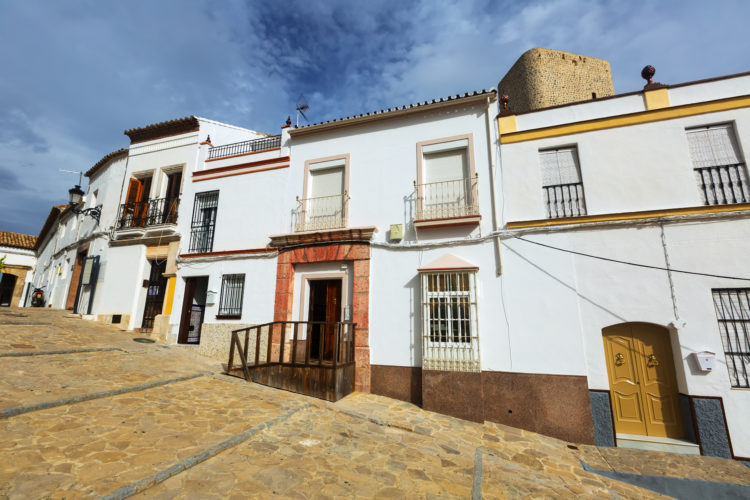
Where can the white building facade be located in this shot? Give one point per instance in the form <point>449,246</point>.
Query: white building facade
<point>656,182</point>
<point>18,261</point>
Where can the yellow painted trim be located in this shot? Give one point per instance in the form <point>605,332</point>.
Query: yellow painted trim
<point>629,119</point>
<point>507,124</point>
<point>647,214</point>
<point>656,99</point>
<point>170,295</point>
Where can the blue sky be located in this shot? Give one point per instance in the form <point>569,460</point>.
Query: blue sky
<point>75,74</point>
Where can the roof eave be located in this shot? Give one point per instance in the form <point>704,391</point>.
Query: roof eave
<point>397,113</point>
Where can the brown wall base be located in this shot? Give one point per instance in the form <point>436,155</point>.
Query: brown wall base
<point>554,405</point>
<point>398,382</point>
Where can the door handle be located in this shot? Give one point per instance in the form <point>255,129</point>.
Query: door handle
<point>619,359</point>
<point>652,361</point>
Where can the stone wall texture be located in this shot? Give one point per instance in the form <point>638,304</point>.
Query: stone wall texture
<point>542,77</point>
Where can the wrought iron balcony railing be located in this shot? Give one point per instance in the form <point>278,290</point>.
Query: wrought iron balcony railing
<point>244,147</point>
<point>723,184</point>
<point>325,212</point>
<point>148,213</point>
<point>564,200</point>
<point>447,199</point>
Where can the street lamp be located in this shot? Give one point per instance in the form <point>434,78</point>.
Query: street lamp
<point>75,195</point>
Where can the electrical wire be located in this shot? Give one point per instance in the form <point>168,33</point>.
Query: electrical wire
<point>599,257</point>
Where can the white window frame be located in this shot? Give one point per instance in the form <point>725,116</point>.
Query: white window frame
<point>453,310</point>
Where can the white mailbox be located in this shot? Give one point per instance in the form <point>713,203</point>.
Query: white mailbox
<point>706,360</point>
<point>210,298</point>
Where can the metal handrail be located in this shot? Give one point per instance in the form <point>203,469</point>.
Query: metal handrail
<point>322,212</point>
<point>264,338</point>
<point>148,213</point>
<point>244,147</point>
<point>723,184</point>
<point>447,199</point>
<point>565,200</point>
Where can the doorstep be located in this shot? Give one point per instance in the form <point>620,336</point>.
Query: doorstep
<point>654,443</point>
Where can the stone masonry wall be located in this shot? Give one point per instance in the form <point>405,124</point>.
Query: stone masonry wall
<point>542,77</point>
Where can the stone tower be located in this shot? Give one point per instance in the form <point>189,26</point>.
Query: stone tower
<point>544,77</point>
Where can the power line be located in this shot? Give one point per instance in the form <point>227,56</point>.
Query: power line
<point>631,263</point>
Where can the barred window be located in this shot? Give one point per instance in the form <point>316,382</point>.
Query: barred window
<point>204,221</point>
<point>718,165</point>
<point>733,312</point>
<point>450,333</point>
<point>232,286</point>
<point>561,183</point>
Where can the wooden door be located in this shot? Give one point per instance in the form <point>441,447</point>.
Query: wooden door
<point>135,189</point>
<point>74,280</point>
<point>187,307</point>
<point>642,381</point>
<point>157,286</point>
<point>174,182</point>
<point>324,305</point>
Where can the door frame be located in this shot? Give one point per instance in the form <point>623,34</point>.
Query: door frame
<point>667,338</point>
<point>187,307</point>
<point>304,298</point>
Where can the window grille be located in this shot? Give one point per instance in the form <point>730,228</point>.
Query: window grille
<point>204,221</point>
<point>733,313</point>
<point>449,321</point>
<point>719,169</point>
<point>232,286</point>
<point>561,183</point>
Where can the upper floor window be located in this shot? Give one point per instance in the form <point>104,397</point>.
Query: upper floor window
<point>733,313</point>
<point>719,168</point>
<point>204,221</point>
<point>324,199</point>
<point>446,183</point>
<point>561,183</point>
<point>230,304</point>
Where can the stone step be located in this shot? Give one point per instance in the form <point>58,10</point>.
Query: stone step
<point>93,448</point>
<point>653,443</point>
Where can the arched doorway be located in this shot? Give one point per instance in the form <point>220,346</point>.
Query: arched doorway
<point>642,380</point>
<point>7,286</point>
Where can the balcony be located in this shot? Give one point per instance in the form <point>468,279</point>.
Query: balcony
<point>325,212</point>
<point>723,184</point>
<point>451,202</point>
<point>245,147</point>
<point>148,213</point>
<point>564,200</point>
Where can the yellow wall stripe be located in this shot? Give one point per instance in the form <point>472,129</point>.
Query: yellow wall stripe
<point>647,214</point>
<point>629,119</point>
<point>170,295</point>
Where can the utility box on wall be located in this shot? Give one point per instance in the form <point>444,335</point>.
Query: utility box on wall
<point>397,232</point>
<point>705,360</point>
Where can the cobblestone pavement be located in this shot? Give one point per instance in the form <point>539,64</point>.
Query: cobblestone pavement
<point>129,422</point>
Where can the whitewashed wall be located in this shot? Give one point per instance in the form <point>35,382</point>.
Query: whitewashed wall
<point>624,169</point>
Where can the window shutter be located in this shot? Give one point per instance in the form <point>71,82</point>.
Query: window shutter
<point>559,166</point>
<point>713,146</point>
<point>445,166</point>
<point>327,182</point>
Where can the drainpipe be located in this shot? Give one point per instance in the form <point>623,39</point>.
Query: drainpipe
<point>493,197</point>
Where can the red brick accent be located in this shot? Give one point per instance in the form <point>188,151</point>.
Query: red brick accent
<point>359,255</point>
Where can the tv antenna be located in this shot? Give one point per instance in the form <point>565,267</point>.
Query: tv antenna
<point>302,106</point>
<point>80,174</point>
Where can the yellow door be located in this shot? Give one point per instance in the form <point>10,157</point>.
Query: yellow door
<point>643,385</point>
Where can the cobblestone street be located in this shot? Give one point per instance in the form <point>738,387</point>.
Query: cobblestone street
<point>89,413</point>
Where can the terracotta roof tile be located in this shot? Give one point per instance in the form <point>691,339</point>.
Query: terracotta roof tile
<point>163,129</point>
<point>384,113</point>
<point>104,160</point>
<point>17,240</point>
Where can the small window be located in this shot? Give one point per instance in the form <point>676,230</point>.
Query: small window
<point>733,313</point>
<point>451,337</point>
<point>718,165</point>
<point>204,221</point>
<point>561,183</point>
<point>230,304</point>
